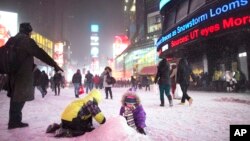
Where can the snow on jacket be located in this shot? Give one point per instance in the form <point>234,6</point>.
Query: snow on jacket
<point>138,113</point>
<point>85,108</point>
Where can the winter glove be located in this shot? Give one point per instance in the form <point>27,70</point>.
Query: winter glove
<point>141,130</point>
<point>57,68</point>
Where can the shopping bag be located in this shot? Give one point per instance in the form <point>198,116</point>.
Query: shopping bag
<point>81,90</point>
<point>178,92</point>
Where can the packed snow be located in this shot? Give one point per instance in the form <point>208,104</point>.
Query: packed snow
<point>208,119</point>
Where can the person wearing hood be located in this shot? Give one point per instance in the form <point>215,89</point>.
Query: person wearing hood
<point>184,72</point>
<point>163,79</point>
<point>20,84</point>
<point>76,118</point>
<point>133,112</point>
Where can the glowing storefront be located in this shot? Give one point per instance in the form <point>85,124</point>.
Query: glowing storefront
<point>47,46</point>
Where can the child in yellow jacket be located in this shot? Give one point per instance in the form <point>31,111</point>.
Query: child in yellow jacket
<point>77,116</point>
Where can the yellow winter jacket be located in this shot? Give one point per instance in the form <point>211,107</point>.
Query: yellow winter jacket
<point>89,105</point>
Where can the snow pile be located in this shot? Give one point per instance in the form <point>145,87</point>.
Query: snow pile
<point>115,129</point>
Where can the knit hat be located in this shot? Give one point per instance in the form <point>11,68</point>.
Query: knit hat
<point>25,28</point>
<point>130,99</point>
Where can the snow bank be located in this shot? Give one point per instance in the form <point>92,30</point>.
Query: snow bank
<point>115,129</point>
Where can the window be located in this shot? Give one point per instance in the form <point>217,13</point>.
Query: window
<point>182,10</point>
<point>195,4</point>
<point>154,22</point>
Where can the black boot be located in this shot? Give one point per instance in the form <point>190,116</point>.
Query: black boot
<point>162,103</point>
<point>170,100</point>
<point>17,125</point>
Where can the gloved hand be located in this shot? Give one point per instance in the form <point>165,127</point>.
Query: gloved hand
<point>141,130</point>
<point>57,68</point>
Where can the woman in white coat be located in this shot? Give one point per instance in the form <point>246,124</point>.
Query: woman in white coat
<point>105,74</point>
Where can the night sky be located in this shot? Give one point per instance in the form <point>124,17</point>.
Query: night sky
<point>78,17</point>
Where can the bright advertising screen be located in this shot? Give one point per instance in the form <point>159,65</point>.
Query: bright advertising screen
<point>8,26</point>
<point>120,44</point>
<point>58,53</point>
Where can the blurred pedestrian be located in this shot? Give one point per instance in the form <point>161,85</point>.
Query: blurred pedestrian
<point>77,82</point>
<point>96,81</point>
<point>21,87</point>
<point>107,73</point>
<point>133,82</point>
<point>89,81</point>
<point>57,82</point>
<point>163,79</point>
<point>184,72</point>
<point>44,82</point>
<point>173,72</point>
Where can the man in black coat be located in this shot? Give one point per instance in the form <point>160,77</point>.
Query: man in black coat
<point>57,81</point>
<point>21,87</point>
<point>44,83</point>
<point>184,72</point>
<point>77,82</point>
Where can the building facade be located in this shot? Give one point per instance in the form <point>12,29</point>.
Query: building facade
<point>211,34</point>
<point>143,27</point>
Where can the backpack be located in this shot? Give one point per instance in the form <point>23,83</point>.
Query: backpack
<point>8,57</point>
<point>110,80</point>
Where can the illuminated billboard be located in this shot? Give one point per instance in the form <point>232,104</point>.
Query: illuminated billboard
<point>8,26</point>
<point>218,19</point>
<point>94,40</point>
<point>94,28</point>
<point>120,44</point>
<point>94,51</point>
<point>58,53</point>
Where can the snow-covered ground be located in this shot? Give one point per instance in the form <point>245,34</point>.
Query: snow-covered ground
<point>208,119</point>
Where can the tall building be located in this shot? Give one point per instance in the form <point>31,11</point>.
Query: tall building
<point>143,26</point>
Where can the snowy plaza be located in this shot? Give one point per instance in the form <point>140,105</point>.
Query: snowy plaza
<point>208,119</point>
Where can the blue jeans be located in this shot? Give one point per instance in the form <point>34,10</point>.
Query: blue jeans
<point>89,87</point>
<point>77,86</point>
<point>164,88</point>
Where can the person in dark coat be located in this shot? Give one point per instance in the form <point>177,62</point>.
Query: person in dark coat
<point>44,82</point>
<point>21,87</point>
<point>173,72</point>
<point>183,75</point>
<point>89,81</point>
<point>77,82</point>
<point>133,112</point>
<point>57,82</point>
<point>163,79</point>
<point>133,82</point>
<point>37,74</point>
<point>146,83</point>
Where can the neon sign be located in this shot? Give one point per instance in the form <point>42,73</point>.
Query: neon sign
<point>211,13</point>
<point>224,24</point>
